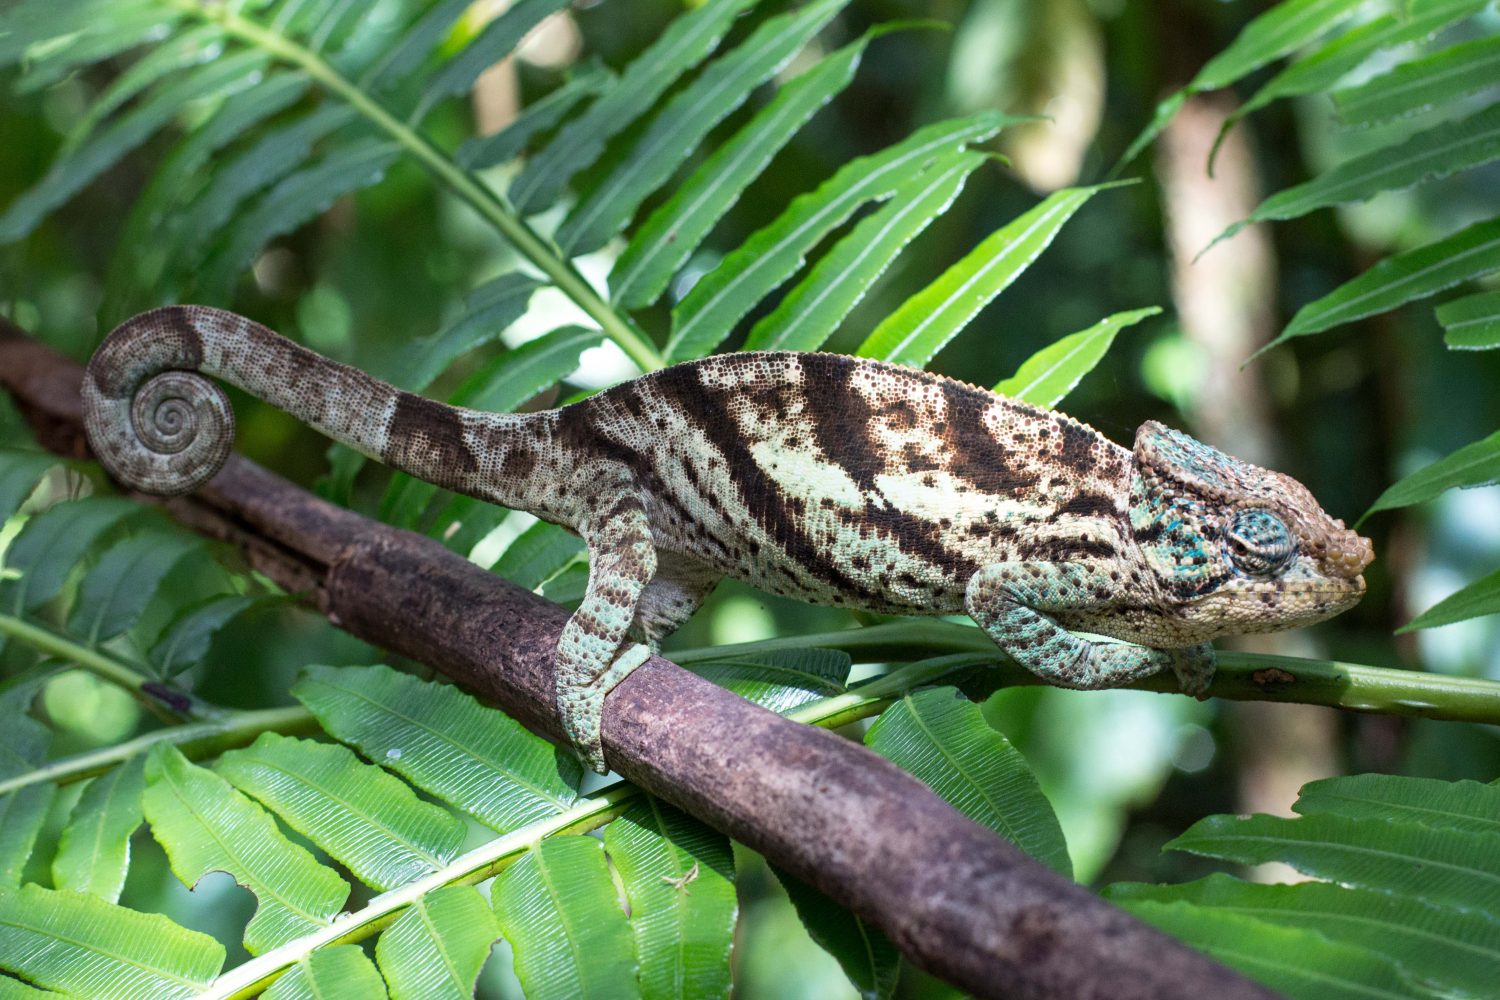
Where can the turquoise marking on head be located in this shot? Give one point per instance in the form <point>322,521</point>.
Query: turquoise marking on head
<point>1234,547</point>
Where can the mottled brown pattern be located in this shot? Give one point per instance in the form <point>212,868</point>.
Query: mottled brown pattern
<point>429,437</point>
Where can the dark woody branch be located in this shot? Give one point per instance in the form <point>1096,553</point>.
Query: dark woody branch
<point>956,899</point>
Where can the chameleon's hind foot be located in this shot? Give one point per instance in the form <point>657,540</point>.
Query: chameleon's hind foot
<point>581,690</point>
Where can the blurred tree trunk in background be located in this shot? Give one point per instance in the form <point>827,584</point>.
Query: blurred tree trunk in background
<point>1226,303</point>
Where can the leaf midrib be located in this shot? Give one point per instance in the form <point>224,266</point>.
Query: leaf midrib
<point>464,747</point>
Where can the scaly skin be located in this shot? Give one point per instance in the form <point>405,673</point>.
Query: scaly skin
<point>821,477</point>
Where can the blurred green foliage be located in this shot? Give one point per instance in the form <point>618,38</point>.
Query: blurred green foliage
<point>1351,410</point>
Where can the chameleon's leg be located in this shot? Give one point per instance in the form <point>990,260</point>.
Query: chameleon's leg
<point>677,591</point>
<point>1010,602</point>
<point>593,652</point>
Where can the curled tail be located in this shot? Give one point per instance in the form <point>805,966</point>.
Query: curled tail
<point>159,426</point>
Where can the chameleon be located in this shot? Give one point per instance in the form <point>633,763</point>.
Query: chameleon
<point>826,478</point>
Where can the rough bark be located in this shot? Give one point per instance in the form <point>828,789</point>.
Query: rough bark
<point>959,901</point>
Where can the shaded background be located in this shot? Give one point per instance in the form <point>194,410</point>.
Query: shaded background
<point>1347,412</point>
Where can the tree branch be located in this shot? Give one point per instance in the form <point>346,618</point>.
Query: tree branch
<point>959,901</point>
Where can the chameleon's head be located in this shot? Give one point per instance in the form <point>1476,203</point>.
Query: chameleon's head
<point>1236,548</point>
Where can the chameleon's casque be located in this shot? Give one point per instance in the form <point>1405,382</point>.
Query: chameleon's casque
<point>826,478</point>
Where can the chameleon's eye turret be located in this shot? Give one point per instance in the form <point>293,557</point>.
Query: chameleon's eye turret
<point>1258,543</point>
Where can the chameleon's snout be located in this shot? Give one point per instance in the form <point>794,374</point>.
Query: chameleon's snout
<point>1343,553</point>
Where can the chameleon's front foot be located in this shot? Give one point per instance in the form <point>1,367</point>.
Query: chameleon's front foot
<point>581,690</point>
<point>1194,667</point>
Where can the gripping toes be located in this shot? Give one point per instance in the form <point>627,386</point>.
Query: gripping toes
<point>582,685</point>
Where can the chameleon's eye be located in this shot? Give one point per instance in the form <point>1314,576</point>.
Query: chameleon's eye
<point>1259,543</point>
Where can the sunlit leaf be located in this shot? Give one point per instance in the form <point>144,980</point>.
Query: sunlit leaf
<point>82,946</point>
<point>1482,597</point>
<point>1441,865</point>
<point>205,826</point>
<point>1460,805</point>
<point>1402,278</point>
<point>1447,948</point>
<point>1410,87</point>
<point>492,44</point>
<point>558,909</point>
<point>687,118</point>
<point>777,251</point>
<point>663,243</point>
<point>811,312</point>
<point>1295,961</point>
<point>780,679</point>
<point>53,541</point>
<point>294,200</point>
<point>370,821</point>
<point>537,117</point>
<point>940,736</point>
<point>340,972</point>
<point>94,850</point>
<point>435,948</point>
<point>442,740</point>
<point>1476,464</point>
<point>1471,323</point>
<point>867,956</point>
<point>1051,373</point>
<point>682,45</point>
<point>678,876</point>
<point>14,989</point>
<point>925,323</point>
<point>69,174</point>
<point>118,587</point>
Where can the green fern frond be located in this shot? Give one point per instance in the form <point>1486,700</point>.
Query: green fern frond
<point>1404,903</point>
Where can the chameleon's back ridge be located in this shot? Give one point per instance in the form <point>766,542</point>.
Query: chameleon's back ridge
<point>821,477</point>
